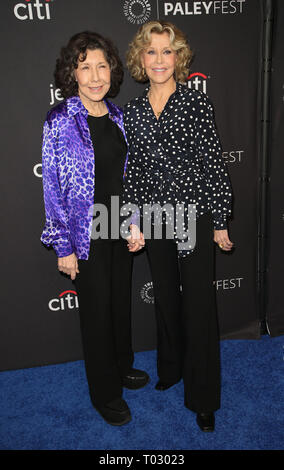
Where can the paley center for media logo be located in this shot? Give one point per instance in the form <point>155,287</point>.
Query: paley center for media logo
<point>225,284</point>
<point>147,293</point>
<point>137,11</point>
<point>33,10</point>
<point>67,300</point>
<point>223,7</point>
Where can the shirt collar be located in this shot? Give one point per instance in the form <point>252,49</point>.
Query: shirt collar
<point>178,91</point>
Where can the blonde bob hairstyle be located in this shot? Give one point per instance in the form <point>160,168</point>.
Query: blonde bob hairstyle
<point>142,39</point>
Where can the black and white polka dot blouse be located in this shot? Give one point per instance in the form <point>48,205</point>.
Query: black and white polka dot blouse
<point>176,158</point>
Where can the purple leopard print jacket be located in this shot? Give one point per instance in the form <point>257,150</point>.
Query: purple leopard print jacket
<point>68,171</point>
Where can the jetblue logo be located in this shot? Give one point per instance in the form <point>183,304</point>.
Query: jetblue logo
<point>55,95</point>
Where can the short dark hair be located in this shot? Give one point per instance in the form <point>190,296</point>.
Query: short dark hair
<point>76,48</point>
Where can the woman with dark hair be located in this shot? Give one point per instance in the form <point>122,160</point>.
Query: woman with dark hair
<point>176,160</point>
<point>83,164</point>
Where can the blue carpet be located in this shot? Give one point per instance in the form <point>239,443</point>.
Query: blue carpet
<point>49,408</point>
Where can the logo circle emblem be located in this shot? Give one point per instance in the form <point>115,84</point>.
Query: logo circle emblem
<point>147,294</point>
<point>137,11</point>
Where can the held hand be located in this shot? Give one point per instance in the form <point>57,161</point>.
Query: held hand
<point>136,242</point>
<point>222,239</point>
<point>69,265</point>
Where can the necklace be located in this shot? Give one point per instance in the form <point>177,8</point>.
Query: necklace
<point>157,113</point>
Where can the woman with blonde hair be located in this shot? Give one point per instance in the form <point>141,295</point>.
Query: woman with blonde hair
<point>175,159</point>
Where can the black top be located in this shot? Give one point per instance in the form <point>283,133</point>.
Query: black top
<point>177,158</point>
<point>110,152</point>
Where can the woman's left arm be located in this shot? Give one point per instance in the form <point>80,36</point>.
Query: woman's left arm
<point>215,170</point>
<point>56,230</point>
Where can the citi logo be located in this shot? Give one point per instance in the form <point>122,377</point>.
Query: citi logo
<point>31,10</point>
<point>66,300</point>
<point>198,81</point>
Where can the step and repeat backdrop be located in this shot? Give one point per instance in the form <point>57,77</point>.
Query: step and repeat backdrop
<point>39,306</point>
<point>275,256</point>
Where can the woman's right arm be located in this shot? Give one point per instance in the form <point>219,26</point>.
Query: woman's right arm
<point>131,177</point>
<point>56,231</point>
<point>130,196</point>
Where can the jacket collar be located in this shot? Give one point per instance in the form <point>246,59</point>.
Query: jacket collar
<point>75,106</point>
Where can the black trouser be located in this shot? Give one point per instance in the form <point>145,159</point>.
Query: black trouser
<point>188,338</point>
<point>104,291</point>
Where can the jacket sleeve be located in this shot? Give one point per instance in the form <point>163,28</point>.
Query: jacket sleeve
<point>214,166</point>
<point>132,176</point>
<point>55,231</point>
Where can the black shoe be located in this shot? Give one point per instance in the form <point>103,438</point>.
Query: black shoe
<point>135,379</point>
<point>206,421</point>
<point>164,385</point>
<point>115,412</point>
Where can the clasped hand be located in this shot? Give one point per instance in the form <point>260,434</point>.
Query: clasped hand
<point>69,264</point>
<point>137,242</point>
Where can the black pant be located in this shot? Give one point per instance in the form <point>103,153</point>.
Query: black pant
<point>188,338</point>
<point>104,291</point>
